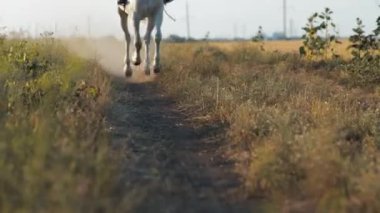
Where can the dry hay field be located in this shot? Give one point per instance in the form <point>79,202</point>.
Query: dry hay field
<point>284,46</point>
<point>226,127</point>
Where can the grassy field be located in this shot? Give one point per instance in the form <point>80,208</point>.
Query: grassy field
<point>305,135</point>
<point>54,146</point>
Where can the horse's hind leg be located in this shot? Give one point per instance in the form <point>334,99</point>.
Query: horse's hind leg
<point>147,39</point>
<point>158,38</point>
<point>124,25</point>
<point>138,43</point>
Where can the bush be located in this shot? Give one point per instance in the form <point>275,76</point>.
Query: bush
<point>365,47</point>
<point>320,37</point>
<point>364,68</point>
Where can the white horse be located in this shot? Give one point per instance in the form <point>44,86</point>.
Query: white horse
<point>138,10</point>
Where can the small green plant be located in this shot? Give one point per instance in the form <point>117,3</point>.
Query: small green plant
<point>377,30</point>
<point>259,37</point>
<point>320,36</point>
<point>364,47</point>
<point>364,68</point>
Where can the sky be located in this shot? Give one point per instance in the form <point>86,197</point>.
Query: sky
<point>220,18</point>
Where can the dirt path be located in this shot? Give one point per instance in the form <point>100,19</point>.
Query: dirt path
<point>172,164</point>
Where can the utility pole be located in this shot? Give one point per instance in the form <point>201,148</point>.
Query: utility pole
<point>75,31</point>
<point>89,26</point>
<point>291,26</point>
<point>36,30</point>
<point>244,31</point>
<point>188,20</point>
<point>235,32</point>
<point>285,8</point>
<point>55,28</point>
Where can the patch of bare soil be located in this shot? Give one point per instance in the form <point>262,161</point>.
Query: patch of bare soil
<point>172,163</point>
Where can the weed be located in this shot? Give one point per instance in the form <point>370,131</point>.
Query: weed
<point>320,38</point>
<point>259,38</point>
<point>364,68</point>
<point>365,47</point>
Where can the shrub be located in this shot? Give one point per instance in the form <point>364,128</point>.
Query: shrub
<point>365,47</point>
<point>259,38</point>
<point>320,38</point>
<point>364,68</point>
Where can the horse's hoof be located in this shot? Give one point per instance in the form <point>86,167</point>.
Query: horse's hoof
<point>128,74</point>
<point>147,72</point>
<point>156,70</point>
<point>127,71</point>
<point>137,62</point>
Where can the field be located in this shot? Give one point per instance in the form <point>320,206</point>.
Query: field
<point>302,134</point>
<point>280,46</point>
<point>226,127</point>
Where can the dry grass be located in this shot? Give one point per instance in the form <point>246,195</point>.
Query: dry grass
<point>291,46</point>
<point>303,137</point>
<point>54,147</point>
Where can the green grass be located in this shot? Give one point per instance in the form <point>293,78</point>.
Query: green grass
<point>54,148</point>
<point>305,134</point>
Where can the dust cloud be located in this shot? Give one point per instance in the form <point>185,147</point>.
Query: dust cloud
<point>109,53</point>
